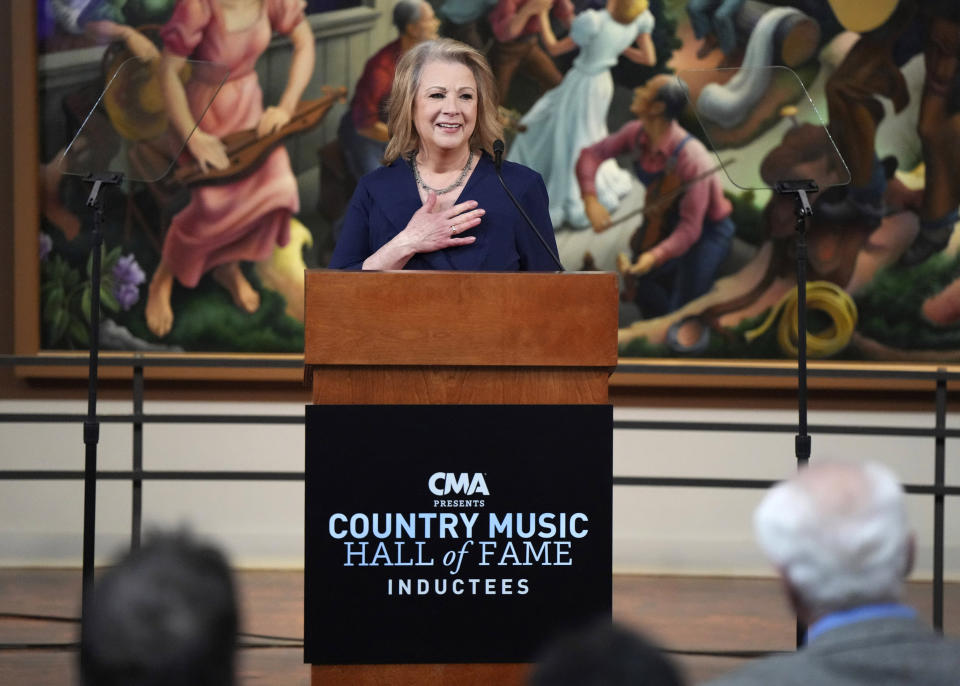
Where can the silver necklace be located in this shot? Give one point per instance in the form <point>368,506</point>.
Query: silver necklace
<point>439,191</point>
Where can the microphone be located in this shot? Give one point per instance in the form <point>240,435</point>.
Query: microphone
<point>498,155</point>
<point>497,163</point>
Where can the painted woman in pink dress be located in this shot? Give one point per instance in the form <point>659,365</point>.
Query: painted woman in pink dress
<point>241,221</point>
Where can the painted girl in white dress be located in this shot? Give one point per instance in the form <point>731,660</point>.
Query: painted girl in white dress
<point>574,114</point>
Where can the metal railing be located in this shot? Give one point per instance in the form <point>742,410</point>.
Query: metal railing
<point>939,432</point>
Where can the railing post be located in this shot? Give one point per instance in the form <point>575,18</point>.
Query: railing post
<point>136,500</point>
<point>939,481</point>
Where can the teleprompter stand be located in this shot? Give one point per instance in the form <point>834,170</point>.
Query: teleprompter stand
<point>800,189</point>
<point>802,210</point>
<point>91,426</point>
<point>777,165</point>
<point>794,156</point>
<point>112,134</point>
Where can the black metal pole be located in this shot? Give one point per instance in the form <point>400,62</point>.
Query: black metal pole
<point>802,447</point>
<point>799,189</point>
<point>91,426</point>
<point>939,481</point>
<point>802,441</point>
<point>136,497</point>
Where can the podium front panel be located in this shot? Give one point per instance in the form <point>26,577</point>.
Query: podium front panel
<point>454,534</point>
<point>379,385</point>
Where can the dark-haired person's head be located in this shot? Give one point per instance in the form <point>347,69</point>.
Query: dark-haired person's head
<point>604,654</point>
<point>663,96</point>
<point>416,20</point>
<point>165,615</point>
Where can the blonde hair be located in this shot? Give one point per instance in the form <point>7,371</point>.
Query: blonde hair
<point>403,134</point>
<point>625,11</point>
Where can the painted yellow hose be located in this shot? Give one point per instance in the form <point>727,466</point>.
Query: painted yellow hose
<point>821,295</point>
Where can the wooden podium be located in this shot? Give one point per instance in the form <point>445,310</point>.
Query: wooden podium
<point>408,338</point>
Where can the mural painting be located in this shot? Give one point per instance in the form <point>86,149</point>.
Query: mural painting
<point>658,126</point>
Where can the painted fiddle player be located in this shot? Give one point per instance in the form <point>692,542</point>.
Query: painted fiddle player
<point>677,254</point>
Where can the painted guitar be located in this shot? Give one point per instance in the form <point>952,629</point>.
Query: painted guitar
<point>246,151</point>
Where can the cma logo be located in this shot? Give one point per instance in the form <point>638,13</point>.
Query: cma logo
<point>444,483</point>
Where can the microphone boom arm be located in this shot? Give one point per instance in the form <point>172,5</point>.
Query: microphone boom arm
<point>498,162</point>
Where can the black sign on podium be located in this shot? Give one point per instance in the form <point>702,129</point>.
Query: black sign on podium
<point>446,533</point>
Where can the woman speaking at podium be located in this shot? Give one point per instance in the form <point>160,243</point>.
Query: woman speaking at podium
<point>437,202</point>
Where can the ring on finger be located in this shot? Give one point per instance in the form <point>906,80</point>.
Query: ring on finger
<point>453,230</point>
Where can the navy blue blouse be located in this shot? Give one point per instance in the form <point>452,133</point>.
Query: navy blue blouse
<point>387,197</point>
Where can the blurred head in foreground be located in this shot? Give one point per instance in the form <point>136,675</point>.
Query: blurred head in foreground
<point>838,534</point>
<point>165,615</point>
<point>604,654</point>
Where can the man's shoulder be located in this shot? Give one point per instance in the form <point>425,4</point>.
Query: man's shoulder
<point>907,651</point>
<point>631,128</point>
<point>783,669</point>
<point>694,157</point>
<point>388,55</point>
<point>624,138</point>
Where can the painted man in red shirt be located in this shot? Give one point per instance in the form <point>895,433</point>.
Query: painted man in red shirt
<point>363,129</point>
<point>681,263</point>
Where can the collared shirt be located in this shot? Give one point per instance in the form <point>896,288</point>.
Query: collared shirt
<point>562,10</point>
<point>858,614</point>
<point>702,200</point>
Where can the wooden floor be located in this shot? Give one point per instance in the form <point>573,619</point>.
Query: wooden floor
<point>684,614</point>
